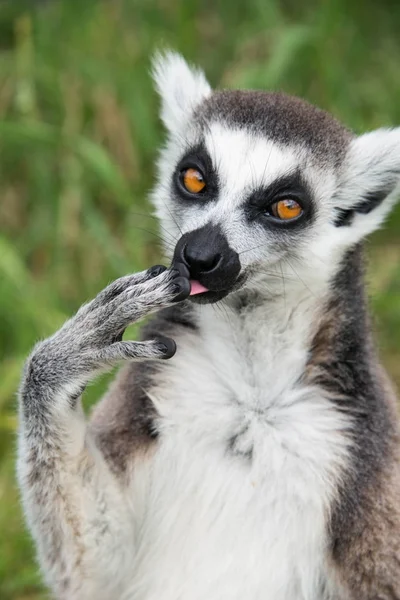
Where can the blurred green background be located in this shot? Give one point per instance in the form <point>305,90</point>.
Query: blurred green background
<point>78,137</point>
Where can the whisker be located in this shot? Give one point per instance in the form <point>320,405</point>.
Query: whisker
<point>253,248</point>
<point>300,279</point>
<point>283,285</point>
<point>159,237</point>
<point>266,164</point>
<point>316,256</point>
<point>275,275</point>
<point>164,229</point>
<point>172,217</point>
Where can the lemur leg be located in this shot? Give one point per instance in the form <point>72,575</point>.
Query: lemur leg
<point>75,506</point>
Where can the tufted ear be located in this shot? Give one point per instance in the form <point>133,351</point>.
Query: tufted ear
<point>369,183</point>
<point>181,89</point>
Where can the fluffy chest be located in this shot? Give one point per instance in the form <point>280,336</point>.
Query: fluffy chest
<point>235,501</point>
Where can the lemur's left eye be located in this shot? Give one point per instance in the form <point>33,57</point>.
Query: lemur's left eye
<point>193,180</point>
<point>286,209</point>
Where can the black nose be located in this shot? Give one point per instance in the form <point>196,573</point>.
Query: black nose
<point>200,259</point>
<point>209,258</point>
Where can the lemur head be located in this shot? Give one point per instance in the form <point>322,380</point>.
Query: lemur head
<point>256,186</point>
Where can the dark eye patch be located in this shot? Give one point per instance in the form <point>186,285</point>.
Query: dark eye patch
<point>289,187</point>
<point>199,159</point>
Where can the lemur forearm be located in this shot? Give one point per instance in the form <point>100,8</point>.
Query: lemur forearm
<point>75,505</point>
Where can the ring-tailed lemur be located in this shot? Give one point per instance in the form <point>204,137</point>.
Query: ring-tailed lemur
<point>262,460</point>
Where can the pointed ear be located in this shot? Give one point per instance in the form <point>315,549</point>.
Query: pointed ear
<point>181,88</point>
<point>369,183</point>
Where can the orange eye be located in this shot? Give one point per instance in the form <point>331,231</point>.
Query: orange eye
<point>286,209</point>
<point>193,180</point>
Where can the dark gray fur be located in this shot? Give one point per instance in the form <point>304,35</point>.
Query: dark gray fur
<point>282,118</point>
<point>343,362</point>
<point>345,371</point>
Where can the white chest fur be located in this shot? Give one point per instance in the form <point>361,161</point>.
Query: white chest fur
<point>235,502</point>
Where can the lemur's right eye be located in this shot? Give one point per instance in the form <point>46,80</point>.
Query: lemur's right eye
<point>287,209</point>
<point>193,180</point>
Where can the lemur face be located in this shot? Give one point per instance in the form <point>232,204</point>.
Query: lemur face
<point>257,187</point>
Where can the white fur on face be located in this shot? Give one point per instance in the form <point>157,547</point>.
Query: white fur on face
<point>244,159</point>
<point>246,162</point>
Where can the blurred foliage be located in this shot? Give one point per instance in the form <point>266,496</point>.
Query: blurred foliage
<point>78,137</point>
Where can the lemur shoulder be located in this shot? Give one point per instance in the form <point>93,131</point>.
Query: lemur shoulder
<point>261,460</point>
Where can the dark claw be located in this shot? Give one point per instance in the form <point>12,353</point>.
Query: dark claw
<point>167,347</point>
<point>156,270</point>
<point>181,270</point>
<point>181,287</point>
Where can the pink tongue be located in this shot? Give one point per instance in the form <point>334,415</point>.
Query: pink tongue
<point>196,287</point>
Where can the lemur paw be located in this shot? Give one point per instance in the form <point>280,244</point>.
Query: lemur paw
<point>92,340</point>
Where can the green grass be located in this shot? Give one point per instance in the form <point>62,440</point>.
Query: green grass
<point>78,137</point>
